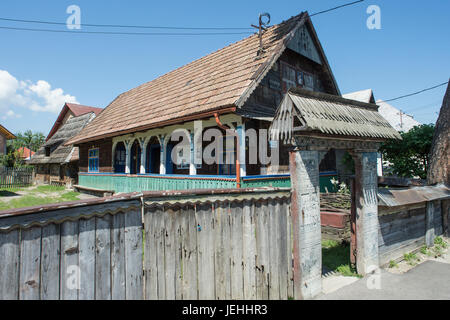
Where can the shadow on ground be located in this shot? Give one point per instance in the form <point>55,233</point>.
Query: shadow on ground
<point>5,193</point>
<point>336,258</point>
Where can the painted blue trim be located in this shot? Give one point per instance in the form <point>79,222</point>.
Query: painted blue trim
<point>155,175</point>
<point>266,176</point>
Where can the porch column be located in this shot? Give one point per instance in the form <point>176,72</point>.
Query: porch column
<point>113,154</point>
<point>162,166</point>
<point>192,167</point>
<point>128,145</point>
<point>366,201</point>
<point>242,160</point>
<point>305,210</point>
<point>143,143</point>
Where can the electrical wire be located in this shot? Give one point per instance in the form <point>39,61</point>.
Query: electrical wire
<point>146,27</point>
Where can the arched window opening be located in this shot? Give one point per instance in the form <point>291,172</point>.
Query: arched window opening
<point>120,158</point>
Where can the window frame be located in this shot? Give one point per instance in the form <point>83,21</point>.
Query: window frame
<point>93,158</point>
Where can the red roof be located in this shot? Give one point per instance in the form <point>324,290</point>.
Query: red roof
<point>25,152</point>
<point>77,110</point>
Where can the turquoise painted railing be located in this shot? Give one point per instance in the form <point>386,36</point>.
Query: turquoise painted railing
<point>155,182</point>
<point>284,181</point>
<point>131,183</point>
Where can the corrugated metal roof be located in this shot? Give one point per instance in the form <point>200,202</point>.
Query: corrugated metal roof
<point>328,114</point>
<point>399,197</point>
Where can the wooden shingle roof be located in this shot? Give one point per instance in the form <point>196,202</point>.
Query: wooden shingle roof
<point>59,152</point>
<point>221,80</point>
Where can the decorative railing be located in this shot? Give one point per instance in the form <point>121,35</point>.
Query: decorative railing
<point>120,182</point>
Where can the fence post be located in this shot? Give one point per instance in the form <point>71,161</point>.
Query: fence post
<point>305,209</point>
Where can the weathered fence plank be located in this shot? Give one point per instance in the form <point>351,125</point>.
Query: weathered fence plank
<point>103,258</point>
<point>86,257</point>
<point>69,261</point>
<point>190,267</point>
<point>9,272</point>
<point>222,251</point>
<point>274,251</point>
<point>237,277</point>
<point>50,257</point>
<point>118,269</point>
<point>289,249</point>
<point>283,241</point>
<point>179,229</point>
<point>160,260</point>
<point>205,242</point>
<point>150,263</point>
<point>249,251</point>
<point>133,255</point>
<point>262,250</point>
<point>30,254</point>
<point>170,250</point>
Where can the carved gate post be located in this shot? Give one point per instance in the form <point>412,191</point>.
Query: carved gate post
<point>366,198</point>
<point>305,210</point>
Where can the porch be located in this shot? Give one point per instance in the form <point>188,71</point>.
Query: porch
<point>120,183</point>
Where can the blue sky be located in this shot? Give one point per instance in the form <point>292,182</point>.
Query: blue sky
<point>409,53</point>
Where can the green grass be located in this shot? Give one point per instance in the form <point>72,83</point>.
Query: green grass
<point>52,194</point>
<point>48,188</point>
<point>393,264</point>
<point>411,258</point>
<point>336,256</point>
<point>424,250</point>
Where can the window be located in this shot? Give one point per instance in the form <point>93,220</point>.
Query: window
<point>309,81</point>
<point>93,160</point>
<point>289,77</point>
<point>47,151</point>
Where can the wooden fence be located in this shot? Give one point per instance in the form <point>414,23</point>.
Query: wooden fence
<point>219,247</point>
<point>15,177</point>
<point>87,250</point>
<point>232,245</point>
<point>409,219</point>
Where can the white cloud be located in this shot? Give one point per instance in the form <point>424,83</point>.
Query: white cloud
<point>37,96</point>
<point>11,114</point>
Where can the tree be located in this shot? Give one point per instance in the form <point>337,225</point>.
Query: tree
<point>439,171</point>
<point>28,139</point>
<point>410,157</point>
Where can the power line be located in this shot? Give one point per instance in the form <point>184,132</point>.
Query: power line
<point>147,27</point>
<point>129,33</point>
<point>338,7</point>
<point>414,93</point>
<point>125,26</point>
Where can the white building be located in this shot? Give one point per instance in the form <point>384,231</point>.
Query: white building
<point>396,118</point>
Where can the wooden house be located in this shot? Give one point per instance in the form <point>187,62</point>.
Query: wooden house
<point>127,147</point>
<point>4,136</point>
<point>55,162</point>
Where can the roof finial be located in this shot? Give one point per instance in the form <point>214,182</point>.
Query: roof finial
<point>261,28</point>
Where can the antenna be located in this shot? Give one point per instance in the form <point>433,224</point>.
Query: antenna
<point>261,27</point>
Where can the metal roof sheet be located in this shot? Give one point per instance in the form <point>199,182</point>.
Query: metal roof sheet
<point>328,114</point>
<point>399,197</point>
